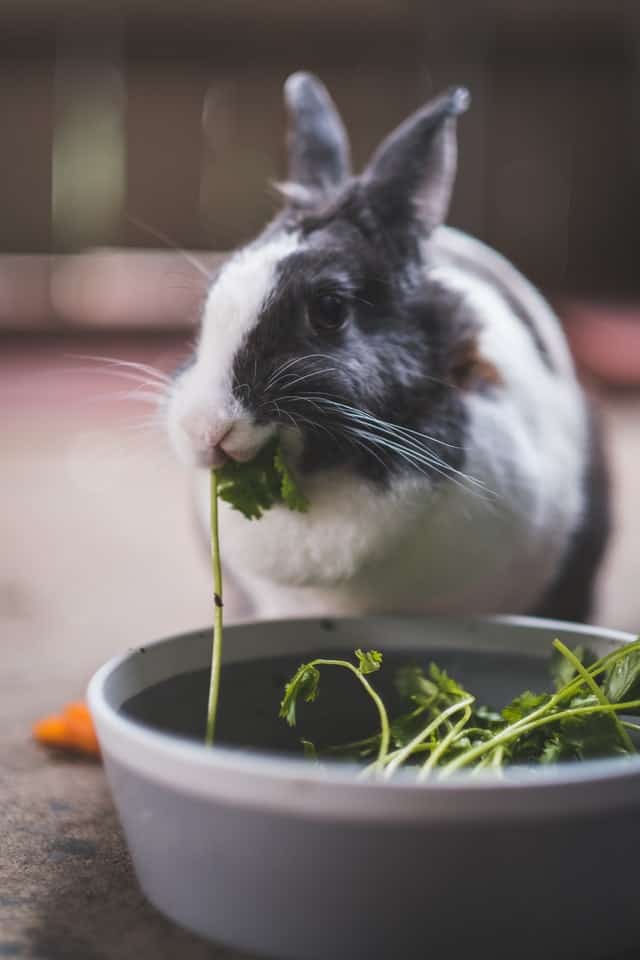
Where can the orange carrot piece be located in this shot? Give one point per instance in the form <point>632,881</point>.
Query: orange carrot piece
<point>70,730</point>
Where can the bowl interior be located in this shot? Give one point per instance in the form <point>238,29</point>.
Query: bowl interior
<point>168,690</point>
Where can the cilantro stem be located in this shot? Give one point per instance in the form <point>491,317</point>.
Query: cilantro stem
<point>596,690</point>
<point>216,653</point>
<point>480,765</point>
<point>568,691</point>
<point>520,727</point>
<point>444,744</point>
<point>354,745</point>
<point>385,728</point>
<point>406,751</point>
<point>372,767</point>
<point>421,748</point>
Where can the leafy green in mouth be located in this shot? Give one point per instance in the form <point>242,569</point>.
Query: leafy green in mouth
<point>251,488</point>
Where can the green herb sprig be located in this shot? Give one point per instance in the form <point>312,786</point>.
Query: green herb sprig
<point>445,730</point>
<point>252,488</point>
<point>256,486</point>
<point>305,683</point>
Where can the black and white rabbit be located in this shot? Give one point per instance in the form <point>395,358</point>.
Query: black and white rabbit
<point>422,388</point>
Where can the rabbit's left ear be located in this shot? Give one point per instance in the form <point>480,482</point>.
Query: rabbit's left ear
<point>411,174</point>
<point>317,141</point>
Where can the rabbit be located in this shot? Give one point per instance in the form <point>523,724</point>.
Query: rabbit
<point>422,390</point>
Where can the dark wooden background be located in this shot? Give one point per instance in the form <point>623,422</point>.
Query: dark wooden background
<point>102,109</point>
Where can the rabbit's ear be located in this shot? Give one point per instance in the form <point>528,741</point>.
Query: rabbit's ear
<point>413,170</point>
<point>317,141</point>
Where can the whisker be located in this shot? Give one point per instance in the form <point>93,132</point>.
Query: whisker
<point>122,375</point>
<point>368,449</point>
<point>392,426</point>
<point>418,461</point>
<point>306,376</point>
<point>160,375</point>
<point>392,438</point>
<point>168,242</point>
<point>409,443</point>
<point>272,379</point>
<point>381,425</point>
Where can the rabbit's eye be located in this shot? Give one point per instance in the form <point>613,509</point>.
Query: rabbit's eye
<point>328,312</point>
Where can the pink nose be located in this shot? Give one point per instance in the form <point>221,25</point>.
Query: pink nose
<point>206,438</point>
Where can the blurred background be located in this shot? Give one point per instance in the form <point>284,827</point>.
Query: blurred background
<point>133,130</point>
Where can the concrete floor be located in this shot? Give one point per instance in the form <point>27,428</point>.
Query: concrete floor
<point>98,555</point>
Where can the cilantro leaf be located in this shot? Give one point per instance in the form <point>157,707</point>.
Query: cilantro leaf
<point>486,718</point>
<point>290,494</point>
<point>622,681</point>
<point>590,737</point>
<point>253,487</point>
<point>405,727</point>
<point>369,660</point>
<point>256,486</point>
<point>523,705</point>
<point>304,683</point>
<point>426,690</point>
<point>555,749</point>
<point>446,684</point>
<point>562,670</point>
<point>412,684</point>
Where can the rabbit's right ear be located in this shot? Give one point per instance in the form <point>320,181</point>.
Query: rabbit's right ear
<point>411,174</point>
<point>319,156</point>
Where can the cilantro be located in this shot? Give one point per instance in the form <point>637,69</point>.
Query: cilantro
<point>252,488</point>
<point>370,661</point>
<point>523,705</point>
<point>256,486</point>
<point>445,730</point>
<point>563,669</point>
<point>304,683</point>
<point>290,493</point>
<point>622,681</point>
<point>435,688</point>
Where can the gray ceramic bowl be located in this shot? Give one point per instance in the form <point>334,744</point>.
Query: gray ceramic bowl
<point>272,854</point>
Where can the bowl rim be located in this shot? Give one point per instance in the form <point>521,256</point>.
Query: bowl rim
<point>292,785</point>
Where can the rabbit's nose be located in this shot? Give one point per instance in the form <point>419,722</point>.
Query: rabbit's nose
<point>206,437</point>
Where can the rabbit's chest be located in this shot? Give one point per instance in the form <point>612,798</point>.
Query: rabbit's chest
<point>462,547</point>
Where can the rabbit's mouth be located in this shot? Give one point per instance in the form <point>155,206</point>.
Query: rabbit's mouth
<point>208,435</point>
<point>244,440</point>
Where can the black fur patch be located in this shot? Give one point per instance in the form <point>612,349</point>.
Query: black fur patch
<point>392,361</point>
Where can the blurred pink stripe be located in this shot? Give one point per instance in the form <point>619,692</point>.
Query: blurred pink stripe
<point>105,289</point>
<point>51,374</point>
<point>605,339</point>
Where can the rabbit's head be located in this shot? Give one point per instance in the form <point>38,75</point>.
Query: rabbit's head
<point>327,327</point>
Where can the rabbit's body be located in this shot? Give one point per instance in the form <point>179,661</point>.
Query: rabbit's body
<point>430,406</point>
<point>461,546</point>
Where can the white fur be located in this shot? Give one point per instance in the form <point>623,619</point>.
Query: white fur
<point>453,548</point>
<point>202,408</point>
<point>465,251</point>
